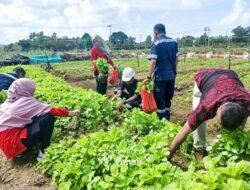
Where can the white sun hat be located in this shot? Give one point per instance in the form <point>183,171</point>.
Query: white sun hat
<point>128,74</point>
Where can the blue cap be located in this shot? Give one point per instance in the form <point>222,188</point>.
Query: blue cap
<point>159,28</point>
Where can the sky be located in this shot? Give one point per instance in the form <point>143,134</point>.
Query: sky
<point>134,17</point>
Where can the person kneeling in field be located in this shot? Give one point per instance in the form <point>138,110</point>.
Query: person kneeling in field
<point>128,83</point>
<point>24,121</point>
<point>220,93</point>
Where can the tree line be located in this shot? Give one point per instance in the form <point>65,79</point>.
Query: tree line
<point>120,40</point>
<point>240,38</point>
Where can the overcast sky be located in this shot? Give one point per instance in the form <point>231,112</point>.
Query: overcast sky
<point>135,17</point>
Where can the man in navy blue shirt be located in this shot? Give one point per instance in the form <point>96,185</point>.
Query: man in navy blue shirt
<point>6,79</point>
<point>129,83</point>
<point>164,59</point>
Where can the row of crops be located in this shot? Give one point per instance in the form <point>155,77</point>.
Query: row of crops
<point>108,149</point>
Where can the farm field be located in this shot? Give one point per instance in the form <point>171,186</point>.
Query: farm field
<point>108,149</point>
<point>80,74</point>
<point>91,133</point>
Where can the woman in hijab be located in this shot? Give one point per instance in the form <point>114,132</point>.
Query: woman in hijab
<point>100,50</point>
<point>24,121</point>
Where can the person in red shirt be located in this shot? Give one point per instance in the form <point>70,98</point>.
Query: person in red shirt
<point>100,50</point>
<point>220,93</point>
<point>24,121</point>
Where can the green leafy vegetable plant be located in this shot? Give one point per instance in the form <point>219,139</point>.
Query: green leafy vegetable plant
<point>102,65</point>
<point>149,87</point>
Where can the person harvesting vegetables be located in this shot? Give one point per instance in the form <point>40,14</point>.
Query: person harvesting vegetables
<point>164,58</point>
<point>130,84</point>
<point>101,50</point>
<point>24,121</point>
<point>217,93</point>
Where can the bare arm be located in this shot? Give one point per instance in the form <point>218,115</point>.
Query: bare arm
<point>131,98</point>
<point>179,139</point>
<point>177,61</point>
<point>75,112</point>
<point>152,67</point>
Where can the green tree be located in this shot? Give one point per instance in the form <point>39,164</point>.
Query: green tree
<point>53,42</point>
<point>248,30</point>
<point>239,31</point>
<point>86,41</point>
<point>32,35</point>
<point>148,40</point>
<point>25,44</point>
<point>187,41</point>
<point>203,39</point>
<point>12,47</point>
<point>118,38</point>
<point>239,34</point>
<point>128,44</point>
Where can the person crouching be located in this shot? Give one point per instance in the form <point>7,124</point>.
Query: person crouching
<point>24,121</point>
<point>127,89</point>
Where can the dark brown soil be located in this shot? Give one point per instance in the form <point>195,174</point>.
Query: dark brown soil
<point>178,114</point>
<point>184,87</point>
<point>72,77</point>
<point>181,162</point>
<point>21,174</point>
<point>86,84</point>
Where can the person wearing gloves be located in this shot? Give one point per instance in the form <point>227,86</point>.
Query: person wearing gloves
<point>127,89</point>
<point>24,121</point>
<point>100,50</point>
<point>6,79</point>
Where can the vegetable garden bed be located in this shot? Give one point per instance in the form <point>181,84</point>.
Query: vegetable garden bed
<point>128,150</point>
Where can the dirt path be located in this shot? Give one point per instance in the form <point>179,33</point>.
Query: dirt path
<point>179,113</point>
<point>20,174</point>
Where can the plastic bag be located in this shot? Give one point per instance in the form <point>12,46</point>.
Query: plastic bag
<point>114,77</point>
<point>148,100</point>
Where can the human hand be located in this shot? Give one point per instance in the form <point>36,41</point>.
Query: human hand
<point>145,81</point>
<point>120,106</point>
<point>75,112</point>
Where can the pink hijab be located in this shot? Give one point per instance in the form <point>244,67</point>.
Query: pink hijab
<point>20,107</point>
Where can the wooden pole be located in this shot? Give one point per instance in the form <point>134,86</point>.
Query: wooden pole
<point>137,58</point>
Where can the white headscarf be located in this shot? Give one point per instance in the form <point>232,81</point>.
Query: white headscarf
<point>100,45</point>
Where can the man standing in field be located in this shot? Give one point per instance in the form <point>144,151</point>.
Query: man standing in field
<point>220,93</point>
<point>164,58</point>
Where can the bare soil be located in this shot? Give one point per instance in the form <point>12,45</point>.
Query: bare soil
<point>21,174</point>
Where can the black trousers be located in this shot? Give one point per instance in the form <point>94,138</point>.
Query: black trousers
<point>163,94</point>
<point>134,104</point>
<point>101,86</point>
<point>40,131</point>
